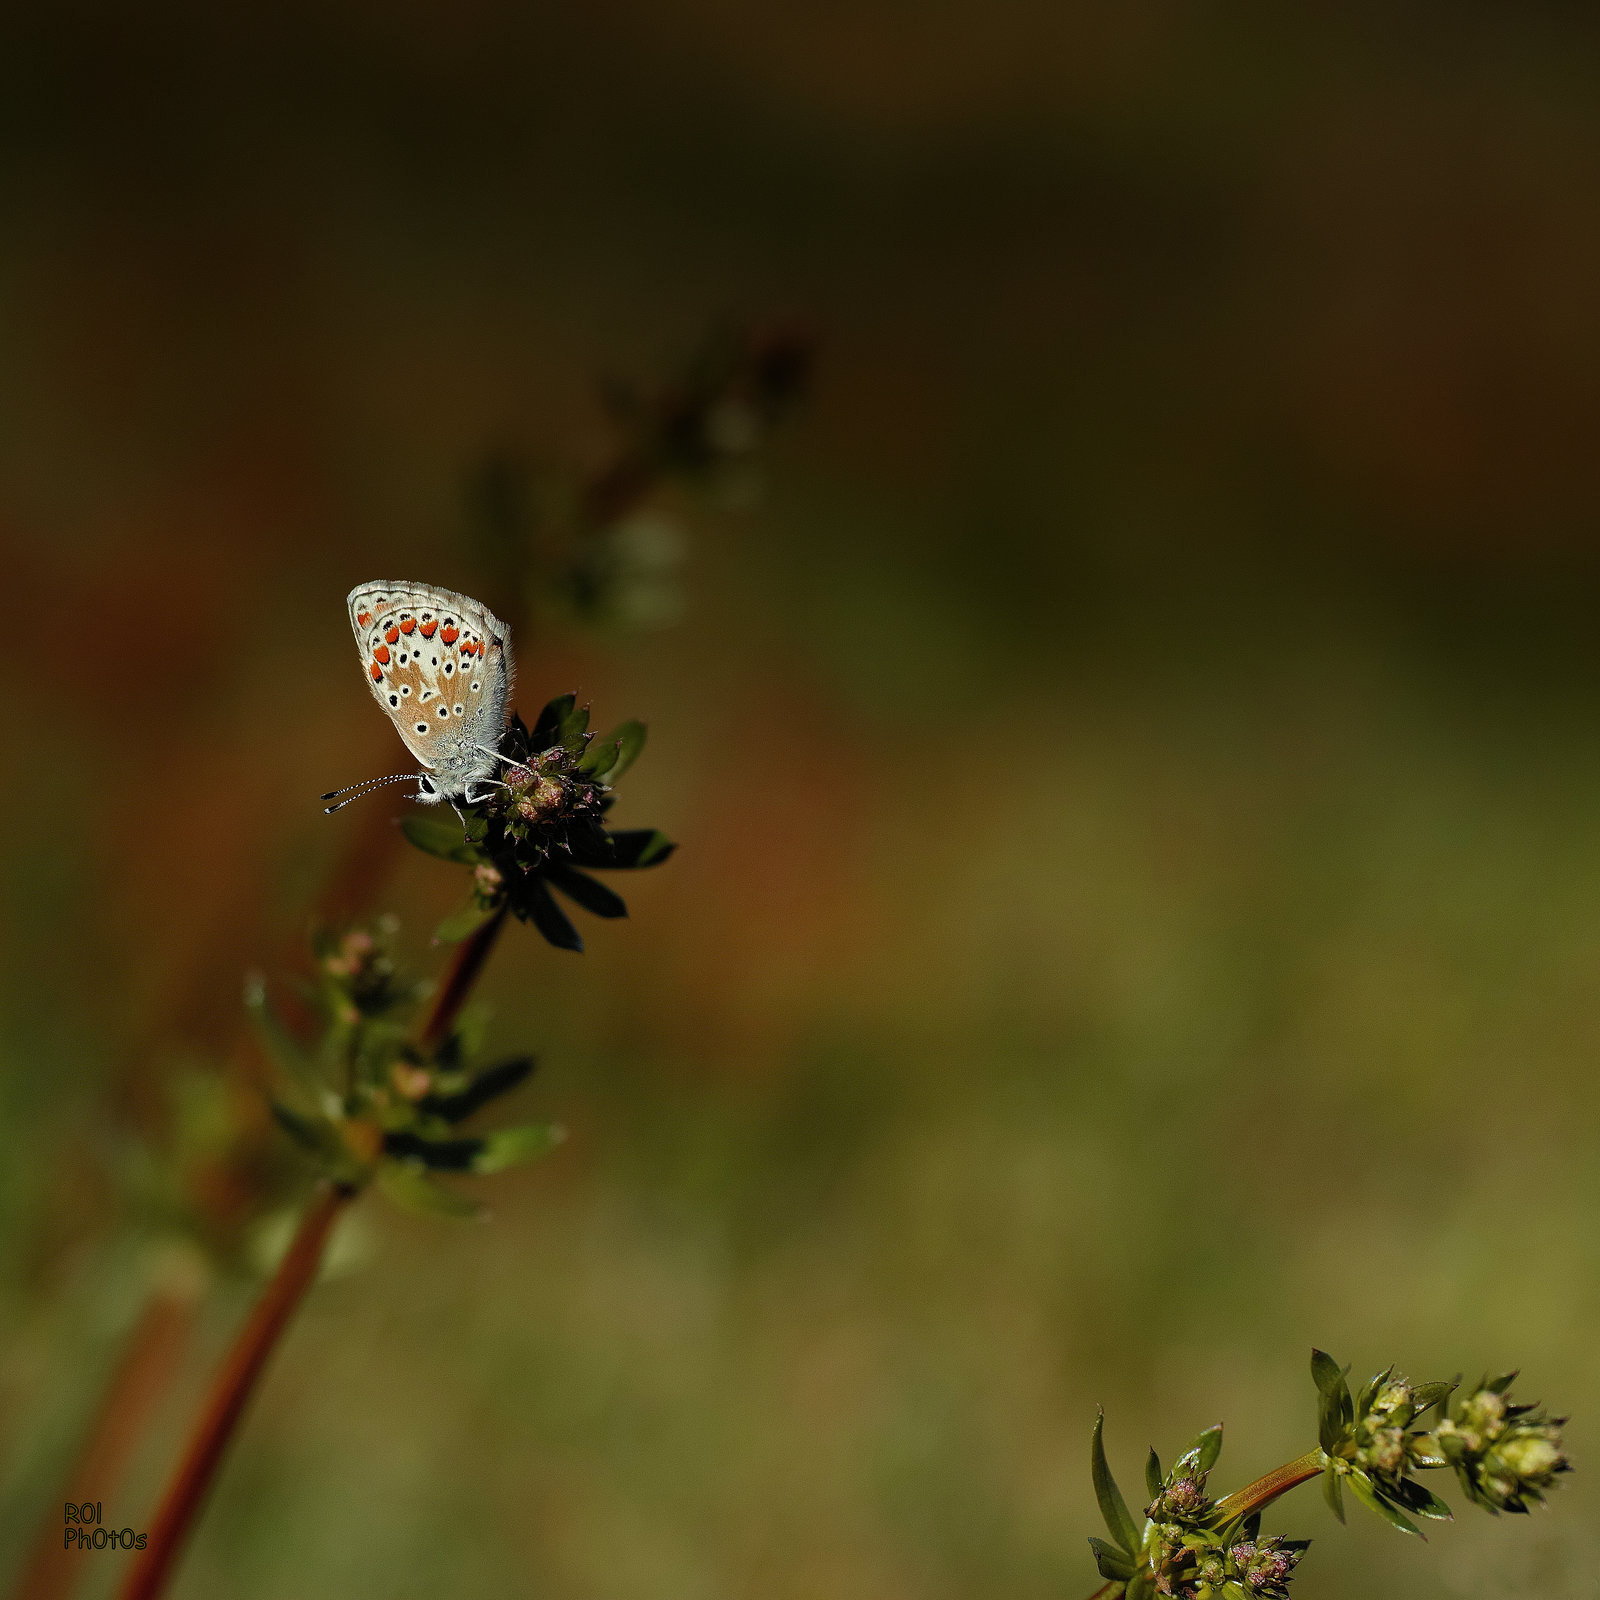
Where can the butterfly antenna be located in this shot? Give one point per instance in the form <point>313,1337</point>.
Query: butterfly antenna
<point>357,791</point>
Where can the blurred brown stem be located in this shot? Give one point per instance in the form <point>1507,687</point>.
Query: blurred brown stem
<point>463,973</point>
<point>150,1359</point>
<point>231,1391</point>
<point>243,1367</point>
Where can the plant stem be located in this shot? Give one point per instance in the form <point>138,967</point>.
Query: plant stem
<point>296,1272</point>
<point>458,982</point>
<point>151,1357</point>
<point>1251,1498</point>
<point>231,1392</point>
<point>1265,1490</point>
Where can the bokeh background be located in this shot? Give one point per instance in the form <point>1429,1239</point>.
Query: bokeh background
<point>1137,767</point>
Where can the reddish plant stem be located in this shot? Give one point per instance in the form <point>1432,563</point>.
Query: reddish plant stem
<point>458,982</point>
<point>231,1391</point>
<point>1252,1498</point>
<point>236,1381</point>
<point>151,1357</point>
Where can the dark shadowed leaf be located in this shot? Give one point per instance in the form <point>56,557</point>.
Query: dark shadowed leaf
<point>549,918</point>
<point>586,891</point>
<point>635,847</point>
<point>441,1155</point>
<point>489,1085</point>
<point>1362,1490</point>
<point>547,729</point>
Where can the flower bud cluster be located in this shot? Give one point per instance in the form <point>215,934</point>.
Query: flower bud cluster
<point>1506,1456</point>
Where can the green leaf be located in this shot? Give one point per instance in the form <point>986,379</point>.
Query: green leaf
<point>310,1133</point>
<point>416,1191</point>
<point>1435,1394</point>
<point>463,924</point>
<point>1153,1481</point>
<point>1335,1412</point>
<point>609,758</point>
<point>1332,1491</point>
<point>488,1085</point>
<point>1141,1588</point>
<point>587,892</point>
<point>508,1147</point>
<point>1207,1448</point>
<point>1112,1562</point>
<point>1370,1392</point>
<point>1112,1506</point>
<point>440,836</point>
<point>574,724</point>
<point>279,1043</point>
<point>1425,1503</point>
<point>1363,1492</point>
<point>535,905</point>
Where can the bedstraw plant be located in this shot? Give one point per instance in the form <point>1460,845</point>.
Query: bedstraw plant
<point>1506,1456</point>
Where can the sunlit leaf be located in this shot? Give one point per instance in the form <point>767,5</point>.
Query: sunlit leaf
<point>1112,1506</point>
<point>508,1147</point>
<point>416,1191</point>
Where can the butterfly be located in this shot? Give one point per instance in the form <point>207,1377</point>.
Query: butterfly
<point>439,664</point>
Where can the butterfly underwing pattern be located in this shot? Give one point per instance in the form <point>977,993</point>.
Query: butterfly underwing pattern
<point>439,664</point>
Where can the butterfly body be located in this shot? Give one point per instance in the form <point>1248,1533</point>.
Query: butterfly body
<point>439,664</point>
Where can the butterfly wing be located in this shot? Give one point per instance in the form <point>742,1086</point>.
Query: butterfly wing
<point>439,664</point>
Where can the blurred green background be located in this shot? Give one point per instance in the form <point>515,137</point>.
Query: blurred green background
<point>1138,912</point>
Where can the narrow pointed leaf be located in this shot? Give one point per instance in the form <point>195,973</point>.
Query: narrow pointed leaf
<point>585,891</point>
<point>1112,1506</point>
<point>1333,1491</point>
<point>610,757</point>
<point>489,1084</point>
<point>442,1155</point>
<point>547,729</point>
<point>462,924</point>
<point>1153,1480</point>
<point>280,1044</point>
<point>633,847</point>
<point>416,1191</point>
<point>1112,1562</point>
<point>1362,1490</point>
<point>1207,1448</point>
<point>440,836</point>
<point>508,1147</point>
<point>574,724</point>
<point>549,918</point>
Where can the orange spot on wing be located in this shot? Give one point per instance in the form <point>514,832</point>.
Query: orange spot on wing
<point>363,618</point>
<point>428,629</point>
<point>381,654</point>
<point>392,635</point>
<point>408,625</point>
<point>450,635</point>
<point>377,673</point>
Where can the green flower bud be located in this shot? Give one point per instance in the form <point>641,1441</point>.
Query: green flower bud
<point>1505,1455</point>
